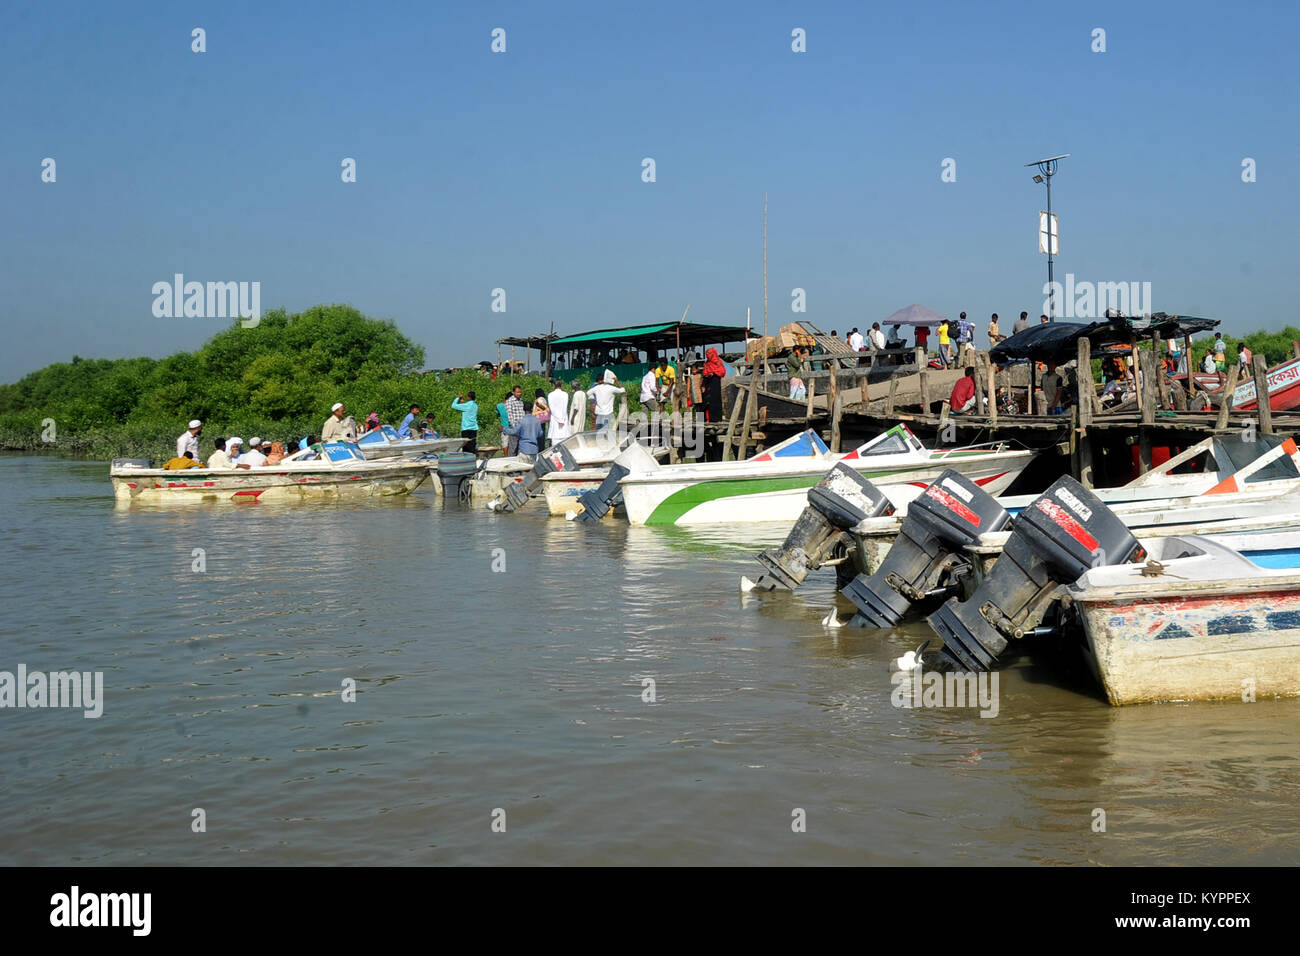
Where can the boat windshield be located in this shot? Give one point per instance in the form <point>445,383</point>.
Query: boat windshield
<point>1233,452</point>
<point>897,441</point>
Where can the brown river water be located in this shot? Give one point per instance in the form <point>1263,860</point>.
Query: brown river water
<point>517,695</point>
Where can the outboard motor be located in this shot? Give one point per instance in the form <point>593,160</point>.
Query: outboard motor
<point>517,493</point>
<point>836,503</point>
<point>455,469</point>
<point>1055,540</point>
<point>925,563</point>
<point>594,505</point>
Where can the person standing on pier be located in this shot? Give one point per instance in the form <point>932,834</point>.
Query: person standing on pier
<point>923,340</point>
<point>1244,358</point>
<point>603,400</point>
<point>468,420</point>
<point>1220,352</point>
<point>514,415</point>
<point>995,336</point>
<point>945,344</point>
<point>876,337</point>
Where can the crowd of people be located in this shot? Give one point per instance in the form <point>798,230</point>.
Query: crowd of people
<point>229,453</point>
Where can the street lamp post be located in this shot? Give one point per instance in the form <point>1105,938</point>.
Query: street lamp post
<point>1046,170</point>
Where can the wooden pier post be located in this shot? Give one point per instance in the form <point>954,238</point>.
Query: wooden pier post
<point>1262,403</point>
<point>751,406</point>
<point>1087,394</point>
<point>1190,362</point>
<point>812,389</point>
<point>992,371</point>
<point>1149,377</point>
<point>893,390</point>
<point>736,403</point>
<point>1225,398</point>
<point>923,379</point>
<point>979,360</point>
<point>837,409</point>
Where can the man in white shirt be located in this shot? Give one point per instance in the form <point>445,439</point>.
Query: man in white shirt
<point>558,401</point>
<point>877,336</point>
<point>603,397</point>
<point>253,458</point>
<point>219,458</point>
<point>855,340</point>
<point>650,391</point>
<point>340,426</point>
<point>189,442</point>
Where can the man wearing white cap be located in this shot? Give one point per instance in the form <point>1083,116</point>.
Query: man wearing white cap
<point>189,441</point>
<point>253,458</point>
<point>337,427</point>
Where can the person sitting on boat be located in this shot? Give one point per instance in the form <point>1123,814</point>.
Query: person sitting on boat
<point>219,458</point>
<point>276,455</point>
<point>404,430</point>
<point>181,462</point>
<point>234,446</point>
<point>429,431</point>
<point>254,457</point>
<point>1209,366</point>
<point>372,422</point>
<point>962,398</point>
<point>340,426</point>
<point>528,434</point>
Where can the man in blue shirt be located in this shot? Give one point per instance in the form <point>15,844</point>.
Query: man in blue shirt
<point>468,420</point>
<point>528,433</point>
<point>404,430</point>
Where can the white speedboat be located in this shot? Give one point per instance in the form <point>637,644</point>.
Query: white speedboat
<point>384,442</point>
<point>773,486</point>
<point>331,470</point>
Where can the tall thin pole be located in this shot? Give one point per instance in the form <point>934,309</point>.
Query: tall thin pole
<point>1051,288</point>
<point>765,288</point>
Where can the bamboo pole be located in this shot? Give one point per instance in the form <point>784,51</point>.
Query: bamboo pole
<point>1133,351</point>
<point>979,361</point>
<point>992,372</point>
<point>1190,363</point>
<point>1225,397</point>
<point>812,389</point>
<point>1147,360</point>
<point>1262,402</point>
<point>750,406</point>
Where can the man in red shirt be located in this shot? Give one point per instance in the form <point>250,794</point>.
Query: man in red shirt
<point>963,393</point>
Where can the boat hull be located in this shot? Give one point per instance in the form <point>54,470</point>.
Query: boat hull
<point>778,491</point>
<point>202,485</point>
<point>1190,644</point>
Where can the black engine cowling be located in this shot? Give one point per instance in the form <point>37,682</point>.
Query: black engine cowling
<point>836,503</point>
<point>1055,540</point>
<point>925,562</point>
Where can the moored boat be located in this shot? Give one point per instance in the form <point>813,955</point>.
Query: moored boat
<point>331,470</point>
<point>1200,618</point>
<point>770,487</point>
<point>384,442</point>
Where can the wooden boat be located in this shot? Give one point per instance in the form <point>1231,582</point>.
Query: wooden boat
<point>384,442</point>
<point>773,486</point>
<point>1283,388</point>
<point>1202,618</point>
<point>331,470</point>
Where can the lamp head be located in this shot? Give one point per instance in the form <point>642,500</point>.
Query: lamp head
<point>1038,179</point>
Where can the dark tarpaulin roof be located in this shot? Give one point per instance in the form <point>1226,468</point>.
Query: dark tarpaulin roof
<point>1058,341</point>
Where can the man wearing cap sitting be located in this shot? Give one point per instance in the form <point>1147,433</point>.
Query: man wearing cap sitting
<point>337,427</point>
<point>189,441</point>
<point>253,458</point>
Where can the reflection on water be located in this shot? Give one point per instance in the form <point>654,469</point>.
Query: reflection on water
<point>523,690</point>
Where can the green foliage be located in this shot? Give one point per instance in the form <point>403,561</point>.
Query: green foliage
<point>277,380</point>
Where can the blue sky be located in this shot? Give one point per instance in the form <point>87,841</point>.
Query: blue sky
<point>522,170</point>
